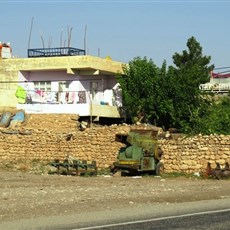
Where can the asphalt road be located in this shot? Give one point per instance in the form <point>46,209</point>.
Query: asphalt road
<point>216,215</point>
<point>213,220</point>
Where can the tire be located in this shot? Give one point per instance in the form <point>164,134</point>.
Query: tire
<point>159,168</point>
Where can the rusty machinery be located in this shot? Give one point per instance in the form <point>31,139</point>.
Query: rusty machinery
<point>77,167</point>
<point>141,153</point>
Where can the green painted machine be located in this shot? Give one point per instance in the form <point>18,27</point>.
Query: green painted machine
<point>141,153</point>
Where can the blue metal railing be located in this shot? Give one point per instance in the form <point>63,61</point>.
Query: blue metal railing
<point>55,52</point>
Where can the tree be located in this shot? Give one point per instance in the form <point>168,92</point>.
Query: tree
<point>217,119</point>
<point>191,69</point>
<point>168,97</point>
<point>161,105</point>
<point>144,92</point>
<point>137,84</point>
<point>193,64</point>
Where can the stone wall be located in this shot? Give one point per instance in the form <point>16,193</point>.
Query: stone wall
<point>48,141</point>
<point>192,154</point>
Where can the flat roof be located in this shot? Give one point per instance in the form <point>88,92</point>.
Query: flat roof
<point>72,64</point>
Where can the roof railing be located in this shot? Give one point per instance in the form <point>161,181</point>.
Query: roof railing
<point>55,52</point>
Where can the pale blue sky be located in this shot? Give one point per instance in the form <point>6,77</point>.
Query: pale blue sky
<point>120,29</point>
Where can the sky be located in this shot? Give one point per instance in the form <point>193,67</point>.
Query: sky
<point>120,29</point>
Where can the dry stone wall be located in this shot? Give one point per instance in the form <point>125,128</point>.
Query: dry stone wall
<point>192,154</point>
<point>48,141</point>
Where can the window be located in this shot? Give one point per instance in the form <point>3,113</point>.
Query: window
<point>42,85</point>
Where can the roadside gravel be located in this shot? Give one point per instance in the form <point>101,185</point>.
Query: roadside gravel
<point>28,195</point>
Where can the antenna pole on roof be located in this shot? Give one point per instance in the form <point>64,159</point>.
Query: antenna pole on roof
<point>85,38</point>
<point>69,35</point>
<point>43,43</point>
<point>61,38</point>
<point>50,42</point>
<point>31,26</point>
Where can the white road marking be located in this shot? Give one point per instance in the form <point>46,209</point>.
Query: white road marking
<point>154,219</point>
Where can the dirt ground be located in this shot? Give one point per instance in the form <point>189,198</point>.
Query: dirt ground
<point>28,195</point>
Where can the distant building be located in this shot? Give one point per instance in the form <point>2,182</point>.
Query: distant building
<point>219,81</point>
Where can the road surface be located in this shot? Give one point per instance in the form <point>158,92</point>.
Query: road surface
<point>209,214</point>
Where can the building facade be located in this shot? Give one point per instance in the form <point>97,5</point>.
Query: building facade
<point>83,85</point>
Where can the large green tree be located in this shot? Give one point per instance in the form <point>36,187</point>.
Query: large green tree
<point>191,69</point>
<point>137,84</point>
<point>168,97</point>
<point>144,92</point>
